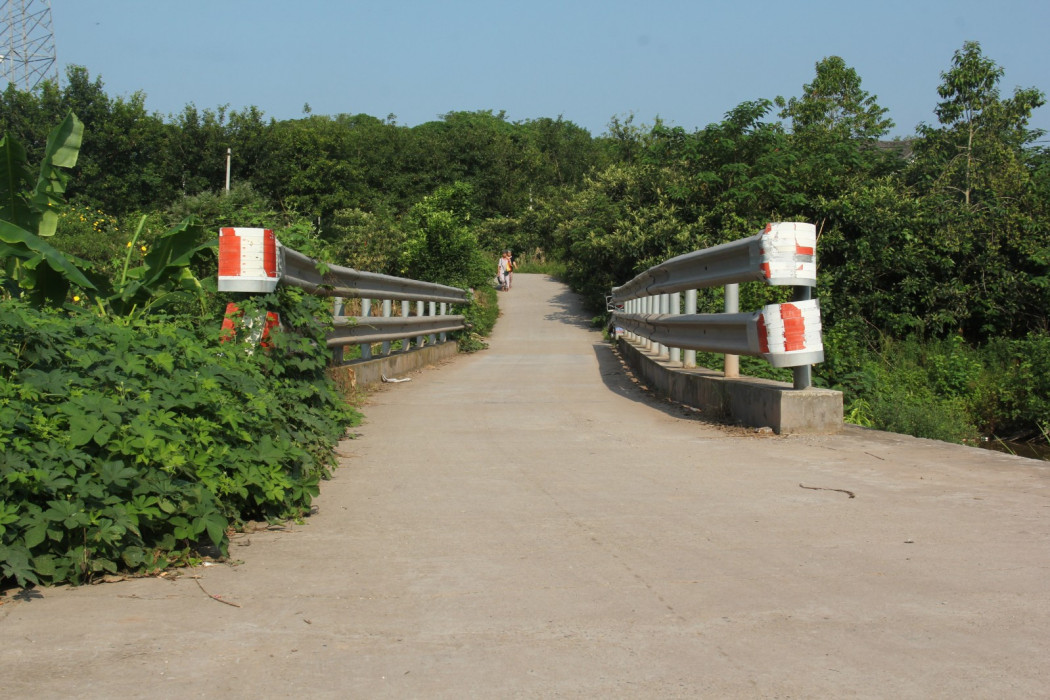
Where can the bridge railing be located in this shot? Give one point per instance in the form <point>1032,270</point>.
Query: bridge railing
<point>650,307</point>
<point>252,260</point>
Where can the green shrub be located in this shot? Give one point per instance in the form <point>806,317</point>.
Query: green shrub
<point>1013,398</point>
<point>128,444</point>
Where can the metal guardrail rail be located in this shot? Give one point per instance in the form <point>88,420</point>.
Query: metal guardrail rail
<point>304,272</point>
<point>784,254</point>
<point>252,260</point>
<point>649,306</point>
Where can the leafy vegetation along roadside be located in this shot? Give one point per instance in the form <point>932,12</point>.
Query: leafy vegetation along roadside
<point>128,444</point>
<point>133,433</point>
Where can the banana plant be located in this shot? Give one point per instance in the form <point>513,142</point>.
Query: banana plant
<point>33,268</point>
<point>29,214</point>
<point>163,279</point>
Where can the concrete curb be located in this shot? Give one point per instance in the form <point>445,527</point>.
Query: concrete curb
<point>748,401</point>
<point>366,373</point>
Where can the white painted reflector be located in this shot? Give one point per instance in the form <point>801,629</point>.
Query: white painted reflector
<point>789,253</point>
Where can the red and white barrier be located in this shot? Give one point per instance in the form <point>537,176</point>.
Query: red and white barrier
<point>788,252</point>
<point>248,260</point>
<point>789,329</point>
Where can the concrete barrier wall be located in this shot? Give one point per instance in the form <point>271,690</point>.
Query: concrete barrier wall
<point>363,374</point>
<point>745,401</point>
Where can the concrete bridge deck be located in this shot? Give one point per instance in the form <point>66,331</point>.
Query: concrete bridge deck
<point>526,522</point>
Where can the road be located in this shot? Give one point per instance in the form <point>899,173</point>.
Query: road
<point>528,522</point>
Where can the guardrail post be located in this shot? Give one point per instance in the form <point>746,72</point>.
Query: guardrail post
<point>731,363</point>
<point>651,305</point>
<point>675,354</point>
<point>444,309</point>
<point>433,312</point>
<point>664,308</point>
<point>690,308</point>
<point>802,376</point>
<point>366,311</point>
<point>387,313</point>
<point>628,308</point>
<point>406,343</point>
<point>337,312</point>
<point>419,312</point>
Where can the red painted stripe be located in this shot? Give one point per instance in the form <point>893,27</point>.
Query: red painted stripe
<point>794,327</point>
<point>229,330</point>
<point>269,253</point>
<point>763,341</point>
<point>803,250</point>
<point>273,320</point>
<point>765,270</point>
<point>229,253</point>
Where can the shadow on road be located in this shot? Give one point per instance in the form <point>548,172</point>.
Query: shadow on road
<point>569,310</point>
<point>619,379</point>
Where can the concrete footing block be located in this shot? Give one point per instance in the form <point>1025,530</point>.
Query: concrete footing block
<point>365,373</point>
<point>747,401</point>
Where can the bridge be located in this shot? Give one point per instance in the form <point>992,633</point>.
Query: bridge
<point>531,521</point>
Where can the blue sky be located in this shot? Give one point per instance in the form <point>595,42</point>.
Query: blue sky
<point>584,60</point>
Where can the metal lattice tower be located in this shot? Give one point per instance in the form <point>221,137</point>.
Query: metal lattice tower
<point>27,43</point>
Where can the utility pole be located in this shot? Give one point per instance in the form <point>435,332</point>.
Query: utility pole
<point>229,155</point>
<point>27,43</point>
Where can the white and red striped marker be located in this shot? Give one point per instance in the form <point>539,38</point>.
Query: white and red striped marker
<point>789,252</point>
<point>248,260</point>
<point>790,328</point>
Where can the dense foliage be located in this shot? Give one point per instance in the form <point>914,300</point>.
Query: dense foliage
<point>131,437</point>
<point>129,444</point>
<point>934,275</point>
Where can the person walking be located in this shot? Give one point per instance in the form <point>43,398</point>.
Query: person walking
<point>503,271</point>
<point>510,268</point>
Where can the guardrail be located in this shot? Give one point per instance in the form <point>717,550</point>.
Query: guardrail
<point>253,260</point>
<point>650,307</point>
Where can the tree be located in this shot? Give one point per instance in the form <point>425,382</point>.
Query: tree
<point>976,152</point>
<point>834,103</point>
<point>974,173</point>
<point>440,245</point>
<point>834,127</point>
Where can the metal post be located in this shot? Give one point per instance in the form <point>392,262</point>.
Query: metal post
<point>337,312</point>
<point>366,311</point>
<point>803,376</point>
<point>388,311</point>
<point>676,309</point>
<point>690,308</point>
<point>229,157</point>
<point>433,312</point>
<point>419,312</point>
<point>731,363</point>
<point>652,304</point>
<point>664,308</point>
<point>406,343</point>
<point>444,309</point>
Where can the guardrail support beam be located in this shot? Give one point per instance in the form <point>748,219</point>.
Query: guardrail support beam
<point>690,308</point>
<point>731,363</point>
<point>802,376</point>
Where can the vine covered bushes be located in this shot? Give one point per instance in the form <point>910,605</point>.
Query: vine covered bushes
<point>129,444</point>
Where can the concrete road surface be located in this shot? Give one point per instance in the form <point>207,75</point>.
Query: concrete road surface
<point>527,522</point>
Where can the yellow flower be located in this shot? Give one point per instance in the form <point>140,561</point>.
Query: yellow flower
<point>129,244</point>
<point>76,298</point>
<point>143,249</point>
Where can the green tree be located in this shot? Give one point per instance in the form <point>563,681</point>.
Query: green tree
<point>975,175</point>
<point>835,125</point>
<point>977,150</point>
<point>440,246</point>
